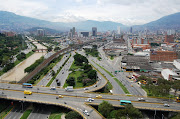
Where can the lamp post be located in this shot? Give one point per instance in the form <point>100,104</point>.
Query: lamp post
<point>155,112</point>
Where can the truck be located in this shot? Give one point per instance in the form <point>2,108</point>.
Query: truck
<point>69,88</point>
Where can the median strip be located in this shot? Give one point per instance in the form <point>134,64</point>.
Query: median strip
<point>118,82</point>
<point>57,72</point>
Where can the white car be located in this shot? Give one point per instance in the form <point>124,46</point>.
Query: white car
<point>89,100</point>
<point>86,112</point>
<point>141,99</point>
<point>86,88</point>
<point>166,105</point>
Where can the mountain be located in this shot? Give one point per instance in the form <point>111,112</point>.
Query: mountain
<point>47,30</point>
<point>12,22</point>
<point>101,26</point>
<point>167,22</point>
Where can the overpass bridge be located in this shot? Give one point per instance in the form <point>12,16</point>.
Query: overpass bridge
<point>76,101</point>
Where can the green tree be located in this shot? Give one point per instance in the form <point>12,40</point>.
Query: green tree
<point>49,49</point>
<point>57,48</point>
<point>71,81</point>
<point>53,73</point>
<point>92,74</point>
<point>21,56</point>
<point>176,86</point>
<point>87,68</point>
<point>130,112</point>
<point>105,108</point>
<point>73,115</point>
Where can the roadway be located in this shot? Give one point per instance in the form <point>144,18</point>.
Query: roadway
<point>17,111</point>
<point>45,80</point>
<point>63,74</point>
<point>116,88</point>
<point>77,100</point>
<point>39,112</point>
<point>111,66</point>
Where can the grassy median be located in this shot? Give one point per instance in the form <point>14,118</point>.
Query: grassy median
<point>26,114</point>
<point>119,83</point>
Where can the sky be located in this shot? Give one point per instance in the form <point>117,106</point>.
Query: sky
<point>127,12</point>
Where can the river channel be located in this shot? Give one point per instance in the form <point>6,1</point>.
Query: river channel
<point>17,73</point>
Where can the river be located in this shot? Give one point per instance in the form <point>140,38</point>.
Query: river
<point>17,73</point>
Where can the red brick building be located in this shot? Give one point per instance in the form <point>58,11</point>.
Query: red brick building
<point>163,56</point>
<point>169,39</point>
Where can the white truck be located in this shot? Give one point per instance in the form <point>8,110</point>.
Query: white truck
<point>69,88</point>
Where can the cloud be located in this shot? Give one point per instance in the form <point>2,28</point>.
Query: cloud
<point>128,12</point>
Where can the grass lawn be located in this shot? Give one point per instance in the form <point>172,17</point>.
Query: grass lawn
<point>76,74</point>
<point>26,114</point>
<point>5,112</point>
<point>55,115</point>
<point>57,112</point>
<point>112,57</point>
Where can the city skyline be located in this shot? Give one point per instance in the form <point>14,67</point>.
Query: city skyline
<point>121,11</point>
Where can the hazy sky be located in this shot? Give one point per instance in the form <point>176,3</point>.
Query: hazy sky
<point>128,12</point>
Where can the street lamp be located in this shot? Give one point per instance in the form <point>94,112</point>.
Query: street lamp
<point>155,112</point>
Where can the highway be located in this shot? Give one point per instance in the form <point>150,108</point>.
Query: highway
<point>116,88</point>
<point>17,111</point>
<point>39,112</point>
<point>48,77</point>
<point>63,74</point>
<point>77,100</point>
<point>121,76</point>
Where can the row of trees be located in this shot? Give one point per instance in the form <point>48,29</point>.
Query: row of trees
<point>9,47</point>
<point>108,111</point>
<point>34,65</point>
<point>161,88</point>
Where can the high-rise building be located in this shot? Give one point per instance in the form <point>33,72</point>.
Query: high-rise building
<point>40,32</point>
<point>85,34</point>
<point>131,30</point>
<point>73,31</point>
<point>118,30</point>
<point>94,31</point>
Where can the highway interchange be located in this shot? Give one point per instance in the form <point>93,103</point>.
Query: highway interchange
<point>76,99</point>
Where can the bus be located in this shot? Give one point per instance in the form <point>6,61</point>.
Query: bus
<point>124,102</point>
<point>27,85</point>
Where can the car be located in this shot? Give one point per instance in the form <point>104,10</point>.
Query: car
<point>28,92</point>
<point>86,88</point>
<point>95,86</point>
<point>89,100</point>
<point>53,88</point>
<point>141,99</point>
<point>166,105</point>
<point>86,112</point>
<point>60,96</point>
<point>98,96</point>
